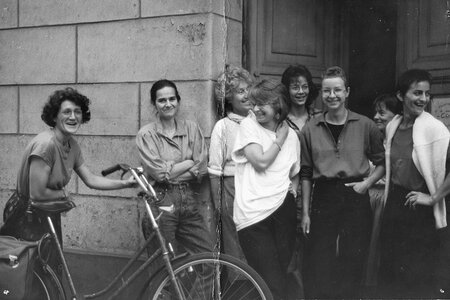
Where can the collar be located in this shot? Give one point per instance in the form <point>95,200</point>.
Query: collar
<point>180,127</point>
<point>351,116</point>
<point>235,117</point>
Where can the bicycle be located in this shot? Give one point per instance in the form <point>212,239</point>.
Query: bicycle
<point>182,277</point>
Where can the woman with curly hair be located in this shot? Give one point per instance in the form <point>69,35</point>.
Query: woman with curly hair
<point>231,92</point>
<point>49,160</point>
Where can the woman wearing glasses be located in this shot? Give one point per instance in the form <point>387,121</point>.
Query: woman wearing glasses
<point>335,151</point>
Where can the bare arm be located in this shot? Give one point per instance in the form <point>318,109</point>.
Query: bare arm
<point>261,160</point>
<point>306,198</point>
<point>39,174</point>
<point>102,183</point>
<point>413,198</point>
<point>363,186</point>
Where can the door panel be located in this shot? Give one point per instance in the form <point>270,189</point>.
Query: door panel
<point>423,40</point>
<point>284,32</point>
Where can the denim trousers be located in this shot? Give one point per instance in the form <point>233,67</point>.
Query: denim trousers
<point>186,226</point>
<point>336,248</point>
<point>229,241</point>
<point>268,247</point>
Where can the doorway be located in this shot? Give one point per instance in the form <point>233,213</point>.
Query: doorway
<point>359,35</point>
<point>372,51</point>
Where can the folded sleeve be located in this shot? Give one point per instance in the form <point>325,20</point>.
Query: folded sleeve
<point>247,134</point>
<point>217,150</point>
<point>150,158</point>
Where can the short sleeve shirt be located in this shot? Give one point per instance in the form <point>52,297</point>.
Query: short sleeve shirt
<point>61,159</point>
<point>259,194</point>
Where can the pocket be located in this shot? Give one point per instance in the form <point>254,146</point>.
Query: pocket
<point>163,197</point>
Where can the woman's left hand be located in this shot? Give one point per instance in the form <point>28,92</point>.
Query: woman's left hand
<point>414,198</point>
<point>360,187</point>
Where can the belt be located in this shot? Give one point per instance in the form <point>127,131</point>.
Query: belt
<point>169,186</point>
<point>338,180</point>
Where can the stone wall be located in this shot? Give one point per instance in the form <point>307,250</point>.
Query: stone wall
<point>111,51</point>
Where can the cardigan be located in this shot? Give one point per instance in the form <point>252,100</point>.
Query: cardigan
<point>430,143</point>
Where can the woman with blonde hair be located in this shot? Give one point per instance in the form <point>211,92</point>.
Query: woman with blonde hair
<point>231,91</point>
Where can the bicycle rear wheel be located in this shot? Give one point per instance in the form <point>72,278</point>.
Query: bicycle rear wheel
<point>46,285</point>
<point>209,276</point>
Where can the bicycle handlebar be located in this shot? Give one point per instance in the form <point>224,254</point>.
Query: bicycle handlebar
<point>115,168</point>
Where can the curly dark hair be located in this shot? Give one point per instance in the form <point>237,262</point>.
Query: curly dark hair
<point>292,72</point>
<point>53,105</point>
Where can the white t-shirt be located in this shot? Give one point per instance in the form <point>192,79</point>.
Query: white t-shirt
<point>259,194</point>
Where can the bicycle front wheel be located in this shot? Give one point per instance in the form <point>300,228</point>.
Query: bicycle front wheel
<point>210,276</point>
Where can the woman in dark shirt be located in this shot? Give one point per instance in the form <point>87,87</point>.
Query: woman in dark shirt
<point>335,152</point>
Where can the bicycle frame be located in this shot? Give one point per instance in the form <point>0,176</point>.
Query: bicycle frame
<point>163,249</point>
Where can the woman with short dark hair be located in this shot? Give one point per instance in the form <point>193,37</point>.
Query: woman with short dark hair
<point>266,153</point>
<point>174,157</point>
<point>49,160</point>
<point>414,221</point>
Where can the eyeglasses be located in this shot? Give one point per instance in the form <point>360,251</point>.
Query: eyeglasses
<point>336,91</point>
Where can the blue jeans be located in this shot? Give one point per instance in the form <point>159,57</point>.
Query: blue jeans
<point>186,227</point>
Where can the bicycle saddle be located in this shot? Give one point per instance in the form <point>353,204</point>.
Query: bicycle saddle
<point>52,206</point>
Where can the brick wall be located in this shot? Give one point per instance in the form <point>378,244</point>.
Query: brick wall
<point>111,51</point>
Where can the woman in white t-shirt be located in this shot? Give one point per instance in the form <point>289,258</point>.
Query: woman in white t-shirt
<point>266,153</point>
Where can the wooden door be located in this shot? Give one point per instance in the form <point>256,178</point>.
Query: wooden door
<point>423,40</point>
<point>278,33</point>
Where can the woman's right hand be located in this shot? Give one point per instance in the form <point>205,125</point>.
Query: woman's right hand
<point>282,133</point>
<point>306,223</point>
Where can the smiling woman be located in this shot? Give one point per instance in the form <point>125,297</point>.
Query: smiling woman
<point>173,154</point>
<point>48,162</point>
<point>414,225</point>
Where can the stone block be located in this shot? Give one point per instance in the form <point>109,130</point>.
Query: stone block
<point>11,148</point>
<point>226,44</point>
<point>9,112</point>
<point>8,13</point>
<point>229,8</point>
<point>103,224</point>
<point>197,104</point>
<point>145,50</point>
<point>32,100</point>
<point>114,108</point>
<point>49,12</point>
<point>4,196</point>
<point>37,55</point>
<point>101,152</point>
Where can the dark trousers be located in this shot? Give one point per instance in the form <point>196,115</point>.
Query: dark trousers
<point>409,249</point>
<point>336,249</point>
<point>268,246</point>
